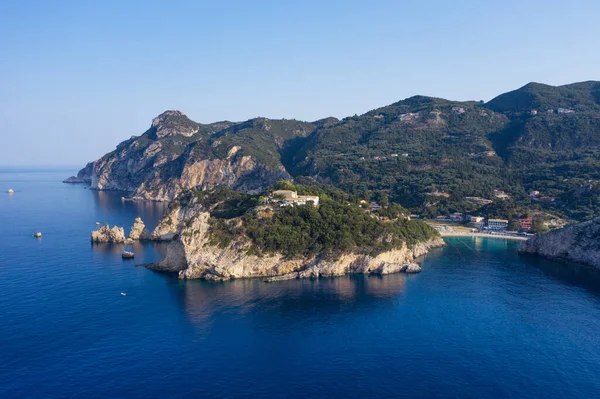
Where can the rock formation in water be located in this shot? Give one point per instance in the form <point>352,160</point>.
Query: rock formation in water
<point>107,234</point>
<point>138,230</point>
<point>575,243</point>
<point>194,254</point>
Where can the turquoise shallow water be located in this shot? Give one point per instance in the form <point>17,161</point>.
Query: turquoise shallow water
<point>479,321</point>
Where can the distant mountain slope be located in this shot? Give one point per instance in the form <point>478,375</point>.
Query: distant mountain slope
<point>408,149</point>
<point>426,153</point>
<point>582,97</point>
<point>549,118</point>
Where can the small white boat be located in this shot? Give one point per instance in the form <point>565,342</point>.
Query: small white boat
<point>97,223</point>
<point>127,255</point>
<point>10,191</point>
<point>123,294</point>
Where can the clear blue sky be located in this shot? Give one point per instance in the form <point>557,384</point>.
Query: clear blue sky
<point>76,78</point>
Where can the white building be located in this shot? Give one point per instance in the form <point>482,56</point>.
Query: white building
<point>565,111</point>
<point>501,194</point>
<point>474,219</point>
<point>497,224</point>
<point>291,198</point>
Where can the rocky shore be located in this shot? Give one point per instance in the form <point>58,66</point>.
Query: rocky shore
<point>191,254</point>
<point>575,243</point>
<point>107,234</point>
<point>116,234</point>
<point>138,230</point>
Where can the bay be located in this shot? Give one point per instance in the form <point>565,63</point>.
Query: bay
<point>479,321</point>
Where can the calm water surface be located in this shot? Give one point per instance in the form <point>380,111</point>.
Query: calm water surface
<point>478,322</point>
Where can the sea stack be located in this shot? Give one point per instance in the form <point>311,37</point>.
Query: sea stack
<point>107,234</point>
<point>138,230</point>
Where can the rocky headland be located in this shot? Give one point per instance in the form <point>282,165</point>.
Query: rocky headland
<point>196,251</point>
<point>176,154</point>
<point>575,243</point>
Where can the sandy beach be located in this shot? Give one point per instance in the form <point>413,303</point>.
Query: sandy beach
<point>483,235</point>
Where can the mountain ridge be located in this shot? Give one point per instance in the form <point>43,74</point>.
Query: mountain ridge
<point>404,150</point>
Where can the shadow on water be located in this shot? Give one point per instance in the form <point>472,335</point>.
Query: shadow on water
<point>145,252</point>
<point>575,274</point>
<point>461,249</point>
<point>301,297</point>
<point>109,204</point>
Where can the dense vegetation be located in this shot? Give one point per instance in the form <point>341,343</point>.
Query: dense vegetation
<point>332,228</point>
<point>427,154</point>
<point>536,138</point>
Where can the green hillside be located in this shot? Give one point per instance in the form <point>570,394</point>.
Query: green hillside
<point>427,154</point>
<point>582,97</point>
<point>408,150</point>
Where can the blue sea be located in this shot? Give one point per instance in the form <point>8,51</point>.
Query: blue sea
<point>480,321</point>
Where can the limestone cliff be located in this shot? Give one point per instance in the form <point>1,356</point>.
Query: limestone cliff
<point>193,255</point>
<point>575,243</point>
<point>107,234</point>
<point>138,230</point>
<point>177,153</point>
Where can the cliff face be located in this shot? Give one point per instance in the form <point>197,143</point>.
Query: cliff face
<point>176,154</point>
<point>83,176</point>
<point>575,243</point>
<point>115,234</point>
<point>240,172</point>
<point>193,256</point>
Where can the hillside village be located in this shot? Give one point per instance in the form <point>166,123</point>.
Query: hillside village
<point>531,222</point>
<point>524,226</point>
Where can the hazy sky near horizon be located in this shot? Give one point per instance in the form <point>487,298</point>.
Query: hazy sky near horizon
<point>78,77</point>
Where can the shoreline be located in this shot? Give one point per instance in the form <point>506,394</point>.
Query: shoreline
<point>483,235</point>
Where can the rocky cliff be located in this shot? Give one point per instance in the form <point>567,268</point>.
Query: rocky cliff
<point>138,230</point>
<point>115,234</point>
<point>193,254</point>
<point>575,243</point>
<point>177,153</point>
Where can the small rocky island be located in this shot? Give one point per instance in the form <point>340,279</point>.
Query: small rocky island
<point>116,234</point>
<point>575,243</point>
<point>222,234</point>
